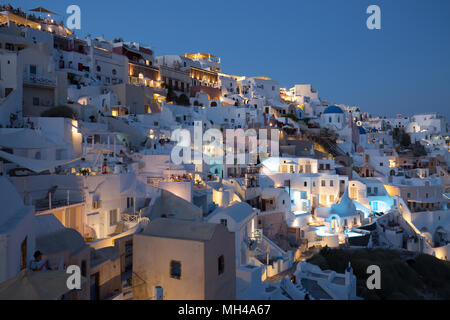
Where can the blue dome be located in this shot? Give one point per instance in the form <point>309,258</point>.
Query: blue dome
<point>333,109</point>
<point>362,130</point>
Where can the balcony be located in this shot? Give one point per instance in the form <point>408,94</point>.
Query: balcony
<point>39,80</point>
<point>45,200</point>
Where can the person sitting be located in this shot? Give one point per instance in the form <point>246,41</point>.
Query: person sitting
<point>38,264</point>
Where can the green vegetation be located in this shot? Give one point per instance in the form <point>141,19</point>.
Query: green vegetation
<point>183,100</point>
<point>59,112</point>
<point>403,275</point>
<point>292,117</point>
<point>401,137</point>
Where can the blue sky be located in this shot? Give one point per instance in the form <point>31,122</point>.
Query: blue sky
<point>402,68</point>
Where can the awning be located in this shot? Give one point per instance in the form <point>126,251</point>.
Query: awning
<point>34,165</point>
<point>43,10</point>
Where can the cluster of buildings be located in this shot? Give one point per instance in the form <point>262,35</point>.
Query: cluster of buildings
<point>87,176</point>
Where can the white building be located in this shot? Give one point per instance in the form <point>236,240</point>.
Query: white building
<point>240,218</point>
<point>17,232</point>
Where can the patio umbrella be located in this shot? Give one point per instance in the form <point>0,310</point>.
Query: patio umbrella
<point>39,285</point>
<point>43,10</point>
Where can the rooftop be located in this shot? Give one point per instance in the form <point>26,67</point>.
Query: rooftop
<point>333,109</point>
<point>180,229</point>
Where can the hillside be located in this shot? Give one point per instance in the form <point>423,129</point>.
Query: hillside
<point>404,275</point>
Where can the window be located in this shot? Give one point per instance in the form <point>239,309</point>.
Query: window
<point>224,222</point>
<point>305,184</point>
<point>83,268</point>
<point>23,254</point>
<point>369,190</point>
<point>323,183</point>
<point>375,190</point>
<point>331,183</point>
<point>36,101</point>
<point>112,217</point>
<point>33,69</point>
<point>114,71</point>
<point>375,206</point>
<point>331,198</point>
<point>221,265</point>
<point>99,69</point>
<point>130,203</point>
<point>175,270</point>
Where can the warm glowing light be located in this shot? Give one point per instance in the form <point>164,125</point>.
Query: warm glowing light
<point>74,126</point>
<point>392,164</point>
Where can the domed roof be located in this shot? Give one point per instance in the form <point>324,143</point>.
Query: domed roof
<point>344,208</point>
<point>333,109</point>
<point>361,130</point>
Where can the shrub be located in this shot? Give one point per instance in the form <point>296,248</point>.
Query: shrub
<point>59,112</point>
<point>183,100</point>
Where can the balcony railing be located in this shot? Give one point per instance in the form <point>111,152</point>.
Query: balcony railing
<point>30,78</point>
<point>44,200</point>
